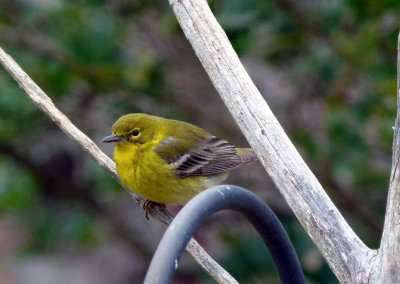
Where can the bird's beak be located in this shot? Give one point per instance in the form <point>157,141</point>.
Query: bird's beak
<point>112,138</point>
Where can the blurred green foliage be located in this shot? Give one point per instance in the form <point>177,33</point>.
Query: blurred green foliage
<point>100,59</point>
<point>18,189</point>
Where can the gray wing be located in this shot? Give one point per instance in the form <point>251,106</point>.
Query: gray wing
<point>210,157</point>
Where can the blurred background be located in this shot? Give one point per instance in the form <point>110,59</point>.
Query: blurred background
<point>327,68</point>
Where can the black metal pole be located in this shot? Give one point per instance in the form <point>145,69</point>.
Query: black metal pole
<point>206,203</point>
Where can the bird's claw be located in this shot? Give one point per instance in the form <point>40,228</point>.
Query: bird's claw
<point>148,206</point>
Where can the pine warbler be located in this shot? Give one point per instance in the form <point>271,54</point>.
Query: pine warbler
<point>169,161</point>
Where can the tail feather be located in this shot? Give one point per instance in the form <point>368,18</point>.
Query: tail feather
<point>246,154</point>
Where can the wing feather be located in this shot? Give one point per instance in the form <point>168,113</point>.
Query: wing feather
<point>209,157</point>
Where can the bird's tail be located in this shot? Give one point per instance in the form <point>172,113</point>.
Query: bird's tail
<point>246,154</point>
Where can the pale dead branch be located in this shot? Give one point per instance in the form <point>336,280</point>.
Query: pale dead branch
<point>45,104</point>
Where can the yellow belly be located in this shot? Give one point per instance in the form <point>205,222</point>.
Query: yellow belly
<point>146,174</point>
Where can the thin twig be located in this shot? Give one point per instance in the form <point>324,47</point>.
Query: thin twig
<point>45,104</point>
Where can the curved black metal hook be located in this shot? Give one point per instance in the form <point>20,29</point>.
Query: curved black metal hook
<point>206,203</point>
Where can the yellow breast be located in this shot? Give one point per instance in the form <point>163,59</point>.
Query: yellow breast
<point>145,173</point>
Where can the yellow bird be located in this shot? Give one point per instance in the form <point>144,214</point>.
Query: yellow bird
<point>169,161</point>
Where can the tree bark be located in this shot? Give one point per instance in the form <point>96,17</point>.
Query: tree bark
<point>387,265</point>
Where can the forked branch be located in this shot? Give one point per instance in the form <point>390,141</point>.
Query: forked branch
<point>347,255</point>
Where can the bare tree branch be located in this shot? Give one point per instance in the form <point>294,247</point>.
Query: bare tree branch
<point>44,103</point>
<point>387,267</point>
<point>346,254</point>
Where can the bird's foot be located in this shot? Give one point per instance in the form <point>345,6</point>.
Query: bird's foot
<point>149,205</point>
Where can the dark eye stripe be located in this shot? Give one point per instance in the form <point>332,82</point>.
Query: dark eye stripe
<point>135,132</point>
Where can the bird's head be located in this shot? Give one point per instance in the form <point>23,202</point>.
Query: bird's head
<point>133,128</point>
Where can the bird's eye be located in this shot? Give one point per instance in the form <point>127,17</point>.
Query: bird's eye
<point>135,132</point>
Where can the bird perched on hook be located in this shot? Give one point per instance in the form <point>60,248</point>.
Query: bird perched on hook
<point>169,161</point>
